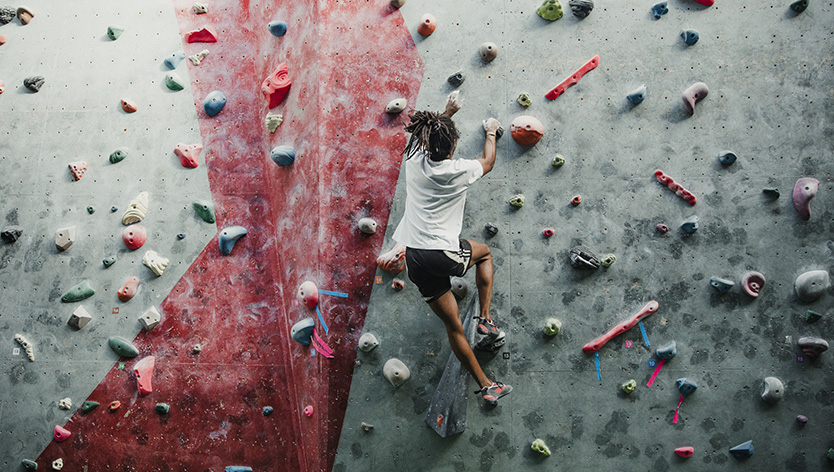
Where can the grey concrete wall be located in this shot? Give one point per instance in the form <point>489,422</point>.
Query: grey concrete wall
<point>770,77</point>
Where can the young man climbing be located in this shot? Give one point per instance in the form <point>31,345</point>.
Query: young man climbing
<point>436,188</point>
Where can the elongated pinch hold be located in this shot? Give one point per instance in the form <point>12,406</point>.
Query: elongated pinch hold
<point>803,192</point>
<point>670,183</point>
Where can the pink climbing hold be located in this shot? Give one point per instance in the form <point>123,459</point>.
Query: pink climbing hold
<point>61,434</point>
<point>803,192</point>
<point>308,410</point>
<point>694,94</point>
<point>78,168</point>
<point>134,236</point>
<point>2,39</point>
<point>708,3</point>
<point>752,282</point>
<point>189,155</point>
<point>206,34</point>
<point>129,289</point>
<point>143,370</point>
<point>276,86</point>
<point>573,79</point>
<point>624,326</point>
<point>548,232</point>
<point>675,187</point>
<point>2,86</point>
<point>308,294</point>
<point>685,451</point>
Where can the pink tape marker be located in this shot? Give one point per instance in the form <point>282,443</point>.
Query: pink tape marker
<point>675,419</point>
<point>322,346</point>
<point>573,79</point>
<point>656,371</point>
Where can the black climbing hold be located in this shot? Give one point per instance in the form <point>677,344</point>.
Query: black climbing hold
<point>771,192</point>
<point>11,234</point>
<point>114,209</point>
<point>582,258</point>
<point>581,8</point>
<point>181,236</point>
<point>33,83</point>
<point>491,229</point>
<point>6,14</point>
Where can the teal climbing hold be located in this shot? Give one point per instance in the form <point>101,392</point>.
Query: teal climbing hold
<point>162,408</point>
<point>91,210</point>
<point>89,406</point>
<point>109,261</point>
<point>122,347</point>
<point>205,210</point>
<point>214,103</point>
<point>283,155</point>
<point>78,293</point>
<point>119,155</point>
<point>660,9</point>
<point>743,450</point>
<point>113,32</point>
<point>277,28</point>
<point>228,238</point>
<point>812,316</point>
<point>799,6</point>
<point>29,465</point>
<point>238,468</point>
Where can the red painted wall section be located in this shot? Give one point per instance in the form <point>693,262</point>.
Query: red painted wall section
<point>347,59</point>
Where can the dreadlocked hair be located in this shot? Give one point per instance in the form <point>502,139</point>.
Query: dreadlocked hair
<point>432,132</point>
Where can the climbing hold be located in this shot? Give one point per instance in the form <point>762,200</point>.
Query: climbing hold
<point>113,32</point>
<point>26,463</point>
<point>114,405</point>
<point>772,390</point>
<point>801,419</point>
<point>61,434</point>
<point>812,316</point>
<point>396,105</point>
<point>670,183</point>
<point>78,293</point>
<point>108,261</point>
<point>540,447</point>
<point>200,8</point>
<point>685,451</point>
<point>26,345</point>
<point>705,2</point>
<point>189,154</point>
<point>24,14</point>
<point>459,287</point>
<point>576,200</point>
<point>273,121</point>
<point>136,210</point>
<point>491,229</point>
<point>2,39</point>
<point>552,326</point>
<point>686,387</point>
<point>302,331</point>
<point>548,232</point>
<point>214,103</point>
<point>180,236</point>
<point>134,236</point>
<point>524,99</point>
<point>64,237</point>
<point>726,158</point>
<point>752,282</point>
<point>238,468</point>
<point>128,105</point>
<point>607,260</point>
<point>396,372</point>
<point>662,228</point>
<point>517,200</point>
<point>6,15</point>
<point>79,317</point>
<point>668,351</point>
<point>397,284</point>
<point>812,347</point>
<point>659,9</point>
<point>366,427</point>
<point>690,36</point>
<point>283,155</point>
<point>267,410</point>
<point>694,94</point>
<point>558,160</point>
<point>205,210</point>
<point>488,51</point>
<point>143,371</point>
<point>722,285</point>
<point>629,387</point>
<point>150,318</point>
<point>276,86</point>
<point>308,410</point>
<point>526,130</point>
<point>743,450</point>
<point>174,59</point>
<point>155,262</point>
<point>799,6</point>
<point>637,96</point>
<point>573,79</point>
<point>114,209</point>
<point>368,342</point>
<point>803,192</point>
<point>122,347</point>
<point>33,83</point>
<point>581,8</point>
<point>308,294</point>
<point>397,3</point>
<point>690,225</point>
<point>206,34</point>
<point>582,258</point>
<point>2,86</point>
<point>58,464</point>
<point>367,225</point>
<point>77,168</point>
<point>198,57</point>
<point>119,155</point>
<point>428,23</point>
<point>811,285</point>
<point>228,238</point>
<point>456,79</point>
<point>173,81</point>
<point>771,192</point>
<point>277,28</point>
<point>197,349</point>
<point>89,406</point>
<point>11,234</point>
<point>162,408</point>
<point>550,10</point>
<point>91,210</point>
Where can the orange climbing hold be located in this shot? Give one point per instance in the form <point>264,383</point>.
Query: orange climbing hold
<point>128,105</point>
<point>276,86</point>
<point>189,155</point>
<point>129,289</point>
<point>428,23</point>
<point>576,200</point>
<point>115,405</point>
<point>206,34</point>
<point>77,168</point>
<point>143,370</point>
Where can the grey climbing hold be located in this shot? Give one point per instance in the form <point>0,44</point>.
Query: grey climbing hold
<point>743,450</point>
<point>690,36</point>
<point>799,6</point>
<point>79,318</point>
<point>771,192</point>
<point>395,372</point>
<point>581,8</point>
<point>228,238</point>
<point>456,79</point>
<point>726,158</point>
<point>277,28</point>
<point>659,9</point>
<point>812,346</point>
<point>367,225</point>
<point>491,229</point>
<point>772,390</point>
<point>812,316</point>
<point>283,155</point>
<point>637,96</point>
<point>302,331</point>
<point>214,103</point>
<point>11,234</point>
<point>552,326</point>
<point>517,200</point>
<point>108,261</point>
<point>668,351</point>
<point>690,225</point>
<point>174,59</point>
<point>686,387</point>
<point>582,258</point>
<point>33,83</point>
<point>173,81</point>
<point>366,427</point>
<point>26,345</point>
<point>608,260</point>
<point>205,210</point>
<point>273,121</point>
<point>6,15</point>
<point>64,238</point>
<point>524,99</point>
<point>267,410</point>
<point>459,287</point>
<point>629,387</point>
<point>396,105</point>
<point>722,285</point>
<point>79,292</point>
<point>801,419</point>
<point>488,51</point>
<point>368,342</point>
<point>119,155</point>
<point>150,318</point>
<point>122,347</point>
<point>155,262</point>
<point>26,463</point>
<point>811,285</point>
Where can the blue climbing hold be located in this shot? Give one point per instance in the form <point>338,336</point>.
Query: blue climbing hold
<point>638,95</point>
<point>302,331</point>
<point>238,468</point>
<point>690,225</point>
<point>722,285</point>
<point>174,59</point>
<point>214,103</point>
<point>685,387</point>
<point>690,36</point>
<point>181,236</point>
<point>267,410</point>
<point>283,155</point>
<point>228,238</point>
<point>726,158</point>
<point>743,450</point>
<point>277,28</point>
<point>114,209</point>
<point>668,351</point>
<point>659,9</point>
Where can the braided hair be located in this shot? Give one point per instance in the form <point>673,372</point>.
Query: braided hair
<point>432,132</point>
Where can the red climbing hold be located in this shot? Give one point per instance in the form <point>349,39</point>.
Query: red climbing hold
<point>526,130</point>
<point>573,79</point>
<point>685,451</point>
<point>675,187</point>
<point>2,86</point>
<point>206,34</point>
<point>189,155</point>
<point>77,168</point>
<point>61,434</point>
<point>134,236</point>
<point>143,370</point>
<point>276,86</point>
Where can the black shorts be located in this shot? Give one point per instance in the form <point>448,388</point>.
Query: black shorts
<point>430,269</point>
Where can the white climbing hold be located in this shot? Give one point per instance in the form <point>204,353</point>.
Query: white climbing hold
<point>368,342</point>
<point>396,105</point>
<point>552,326</point>
<point>64,238</point>
<point>367,225</point>
<point>772,390</point>
<point>197,58</point>
<point>273,121</point>
<point>150,318</point>
<point>155,262</point>
<point>79,318</point>
<point>137,209</point>
<point>58,464</point>
<point>65,403</point>
<point>26,345</point>
<point>811,285</point>
<point>396,372</point>
<point>200,8</point>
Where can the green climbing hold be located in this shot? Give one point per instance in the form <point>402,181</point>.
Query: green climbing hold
<point>113,32</point>
<point>799,6</point>
<point>122,347</point>
<point>78,293</point>
<point>205,210</point>
<point>830,454</point>
<point>89,406</point>
<point>162,408</point>
<point>29,465</point>
<point>517,200</point>
<point>608,259</point>
<point>812,316</point>
<point>91,210</point>
<point>540,447</point>
<point>629,386</point>
<point>109,261</point>
<point>524,99</point>
<point>558,160</point>
<point>550,10</point>
<point>119,155</point>
<point>173,81</point>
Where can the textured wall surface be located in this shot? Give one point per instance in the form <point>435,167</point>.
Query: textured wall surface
<point>771,74</point>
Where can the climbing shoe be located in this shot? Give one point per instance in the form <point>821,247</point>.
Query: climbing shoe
<point>495,391</point>
<point>491,337</point>
<point>487,327</point>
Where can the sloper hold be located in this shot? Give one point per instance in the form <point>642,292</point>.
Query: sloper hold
<point>113,32</point>
<point>119,155</point>
<point>143,371</point>
<point>29,464</point>
<point>155,262</point>
<point>803,191</point>
<point>367,225</point>
<point>77,169</point>
<point>772,390</point>
<point>799,6</point>
<point>64,237</point>
<point>550,10</point>
<point>686,451</point>
<point>283,155</point>
<point>811,285</point>
<point>727,158</point>
<point>812,346</point>
<point>637,96</point>
<point>685,386</point>
<point>459,287</point>
<point>11,234</point>
<point>122,347</point>
<point>205,210</point>
<point>150,318</point>
<point>302,331</point>
<point>690,36</point>
<point>61,434</point>
<point>668,351</point>
<point>526,130</point>
<point>395,372</point>
<point>173,81</point>
<point>659,9</point>
<point>694,94</point>
<point>690,225</point>
<point>397,3</point>
<point>456,79</point>
<point>277,28</point>
<point>134,236</point>
<point>752,282</point>
<point>137,209</point>
<point>743,450</point>
<point>206,34</point>
<point>488,51</point>
<point>228,237</point>
<point>396,105</point>
<point>276,85</point>
<point>189,154</point>
<point>79,318</point>
<point>174,59</point>
<point>368,342</point>
<point>308,294</point>
<point>34,83</point>
<point>79,292</point>
<point>722,285</point>
<point>214,103</point>
<point>24,14</point>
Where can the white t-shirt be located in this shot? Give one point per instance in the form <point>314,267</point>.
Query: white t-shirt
<point>436,195</point>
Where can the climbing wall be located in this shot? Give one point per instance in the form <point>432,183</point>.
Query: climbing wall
<point>770,74</point>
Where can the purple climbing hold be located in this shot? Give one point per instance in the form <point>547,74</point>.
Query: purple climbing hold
<point>801,419</point>
<point>803,192</point>
<point>812,347</point>
<point>662,228</point>
<point>752,282</point>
